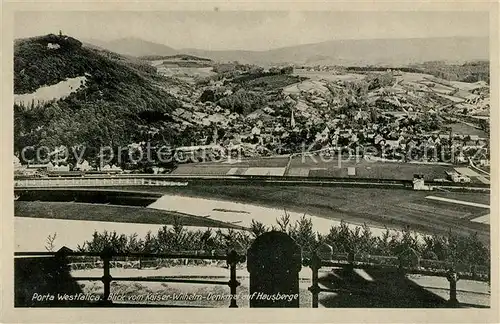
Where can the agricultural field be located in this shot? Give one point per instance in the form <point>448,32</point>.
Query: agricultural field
<point>267,82</point>
<point>466,86</point>
<point>225,167</point>
<point>414,77</point>
<point>185,71</point>
<point>307,85</point>
<point>338,167</point>
<point>202,169</point>
<point>464,129</point>
<point>328,75</point>
<point>314,166</point>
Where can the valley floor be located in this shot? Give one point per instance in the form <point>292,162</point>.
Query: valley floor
<point>222,206</point>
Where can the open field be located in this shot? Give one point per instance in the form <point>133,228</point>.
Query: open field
<point>328,75</point>
<point>394,208</point>
<point>467,86</point>
<point>267,82</point>
<point>464,129</point>
<point>338,167</point>
<point>308,85</point>
<point>314,166</point>
<point>110,213</point>
<point>185,71</point>
<point>225,166</point>
<point>202,169</point>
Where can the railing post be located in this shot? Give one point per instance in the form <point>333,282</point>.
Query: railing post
<point>61,258</point>
<point>315,289</point>
<point>350,260</point>
<point>453,278</point>
<point>323,252</point>
<point>232,259</point>
<point>402,266</point>
<point>106,255</point>
<point>61,254</point>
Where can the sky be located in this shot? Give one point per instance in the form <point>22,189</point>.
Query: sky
<point>249,30</point>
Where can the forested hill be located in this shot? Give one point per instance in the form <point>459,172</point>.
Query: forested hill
<point>107,109</point>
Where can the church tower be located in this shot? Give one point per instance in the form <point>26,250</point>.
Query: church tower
<point>215,136</point>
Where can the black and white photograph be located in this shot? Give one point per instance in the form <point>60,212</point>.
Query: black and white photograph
<point>223,158</point>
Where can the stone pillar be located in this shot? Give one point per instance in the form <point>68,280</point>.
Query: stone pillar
<point>274,261</point>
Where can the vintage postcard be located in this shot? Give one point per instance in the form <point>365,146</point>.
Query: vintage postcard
<point>163,156</point>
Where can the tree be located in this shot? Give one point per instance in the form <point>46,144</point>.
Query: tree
<point>50,242</point>
<point>257,228</point>
<point>303,234</point>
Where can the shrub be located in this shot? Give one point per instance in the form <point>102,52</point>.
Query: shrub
<point>343,239</point>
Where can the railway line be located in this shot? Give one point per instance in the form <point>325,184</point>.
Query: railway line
<point>82,179</point>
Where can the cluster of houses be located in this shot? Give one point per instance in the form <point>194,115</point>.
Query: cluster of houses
<point>396,130</point>
<point>262,132</point>
<point>394,119</point>
<point>53,166</point>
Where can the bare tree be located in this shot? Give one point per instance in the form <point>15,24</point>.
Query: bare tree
<point>50,242</point>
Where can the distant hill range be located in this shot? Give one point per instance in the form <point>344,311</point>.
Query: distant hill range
<point>381,52</point>
<point>177,57</point>
<point>134,47</point>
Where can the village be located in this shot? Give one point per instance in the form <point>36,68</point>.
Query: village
<point>417,113</point>
<point>199,158</point>
<point>389,116</point>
